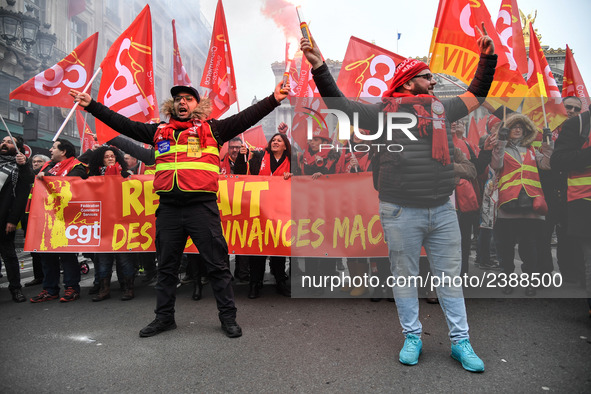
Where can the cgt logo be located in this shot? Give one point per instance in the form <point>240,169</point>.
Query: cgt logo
<point>401,121</point>
<point>83,220</point>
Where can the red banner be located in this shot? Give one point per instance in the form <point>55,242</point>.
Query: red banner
<point>127,83</point>
<point>543,90</point>
<point>218,76</point>
<point>573,84</point>
<point>456,53</point>
<point>50,88</point>
<point>260,215</point>
<point>179,74</point>
<point>367,70</point>
<point>86,135</point>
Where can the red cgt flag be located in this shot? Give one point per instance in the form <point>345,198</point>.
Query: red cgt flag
<point>86,135</point>
<point>456,53</point>
<point>367,70</point>
<point>50,88</point>
<point>542,88</point>
<point>179,74</point>
<point>127,84</point>
<point>573,84</point>
<point>218,76</point>
<point>511,34</point>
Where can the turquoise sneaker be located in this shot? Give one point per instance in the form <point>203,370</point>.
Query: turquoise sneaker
<point>413,346</point>
<point>463,352</point>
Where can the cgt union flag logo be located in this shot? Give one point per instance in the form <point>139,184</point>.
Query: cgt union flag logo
<point>83,223</point>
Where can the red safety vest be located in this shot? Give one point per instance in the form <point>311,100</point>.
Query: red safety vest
<point>579,182</point>
<point>184,160</point>
<point>516,176</point>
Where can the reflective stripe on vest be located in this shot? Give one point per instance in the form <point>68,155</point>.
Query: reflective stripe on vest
<point>177,165</point>
<point>516,175</point>
<point>579,182</point>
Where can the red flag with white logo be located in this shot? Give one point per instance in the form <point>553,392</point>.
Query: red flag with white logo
<point>573,84</point>
<point>455,50</point>
<point>179,74</point>
<point>127,84</point>
<point>218,76</point>
<point>367,70</point>
<point>86,135</point>
<point>542,88</point>
<point>511,34</point>
<point>50,88</point>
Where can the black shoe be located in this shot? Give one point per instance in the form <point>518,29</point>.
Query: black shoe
<point>530,291</point>
<point>197,290</point>
<point>507,290</point>
<point>156,327</point>
<point>283,288</point>
<point>17,295</point>
<point>34,282</point>
<point>94,289</point>
<point>254,291</point>
<point>232,329</point>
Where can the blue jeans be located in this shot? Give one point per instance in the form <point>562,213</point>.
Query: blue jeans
<point>406,230</point>
<point>104,264</point>
<point>51,271</point>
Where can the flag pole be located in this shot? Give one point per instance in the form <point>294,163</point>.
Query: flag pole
<point>10,134</point>
<point>449,80</point>
<point>544,111</point>
<point>57,134</point>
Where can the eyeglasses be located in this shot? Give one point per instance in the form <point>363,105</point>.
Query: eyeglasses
<point>572,107</point>
<point>234,148</point>
<point>428,77</point>
<point>188,99</point>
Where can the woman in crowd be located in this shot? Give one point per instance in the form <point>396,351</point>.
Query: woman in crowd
<point>275,160</point>
<point>521,201</point>
<point>109,161</point>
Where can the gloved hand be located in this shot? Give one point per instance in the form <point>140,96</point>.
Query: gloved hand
<point>547,135</point>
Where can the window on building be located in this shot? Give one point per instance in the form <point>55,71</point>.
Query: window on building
<point>112,11</point>
<point>8,108</point>
<point>78,32</point>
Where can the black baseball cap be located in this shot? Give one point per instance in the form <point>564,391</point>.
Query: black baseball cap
<point>185,89</point>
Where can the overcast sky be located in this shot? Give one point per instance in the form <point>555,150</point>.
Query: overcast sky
<point>256,40</point>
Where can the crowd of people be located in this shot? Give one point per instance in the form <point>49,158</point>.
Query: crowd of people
<point>518,187</point>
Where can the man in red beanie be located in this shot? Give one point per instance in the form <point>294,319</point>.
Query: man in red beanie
<point>415,185</point>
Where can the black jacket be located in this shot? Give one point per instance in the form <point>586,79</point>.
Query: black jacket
<point>13,200</point>
<point>411,177</point>
<point>223,130</point>
<point>569,155</point>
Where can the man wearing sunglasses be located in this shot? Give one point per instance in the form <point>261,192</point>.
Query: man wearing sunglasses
<point>573,106</point>
<point>415,186</point>
<point>572,153</point>
<point>186,180</point>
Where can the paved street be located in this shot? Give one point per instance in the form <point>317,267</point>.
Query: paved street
<point>301,345</point>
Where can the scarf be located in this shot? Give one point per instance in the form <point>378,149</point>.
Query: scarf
<point>436,118</point>
<point>63,167</point>
<point>318,159</point>
<point>111,170</point>
<point>175,124</point>
<point>8,168</point>
<point>266,165</point>
<point>227,165</point>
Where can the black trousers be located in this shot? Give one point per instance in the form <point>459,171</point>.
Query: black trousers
<point>8,253</point>
<point>202,223</point>
<point>523,232</point>
<point>257,268</point>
